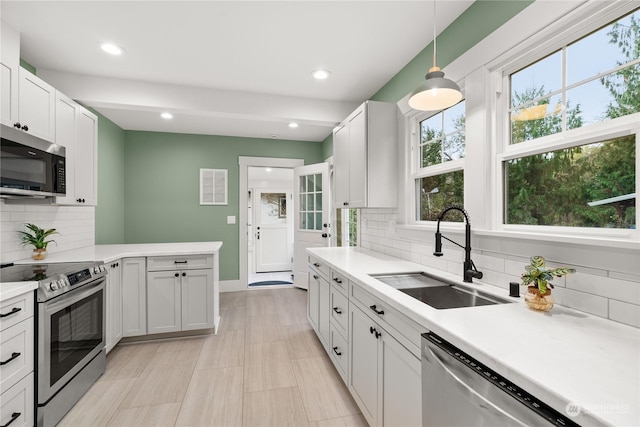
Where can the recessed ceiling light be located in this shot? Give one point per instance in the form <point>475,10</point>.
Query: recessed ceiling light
<point>112,48</point>
<point>320,74</point>
<point>293,125</point>
<point>268,169</point>
<point>166,116</point>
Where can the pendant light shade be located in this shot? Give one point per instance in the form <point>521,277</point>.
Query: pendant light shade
<point>437,92</point>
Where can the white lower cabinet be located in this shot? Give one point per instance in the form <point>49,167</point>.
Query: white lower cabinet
<point>180,299</point>
<point>134,297</point>
<point>385,377</point>
<point>17,404</point>
<point>114,304</point>
<point>318,306</point>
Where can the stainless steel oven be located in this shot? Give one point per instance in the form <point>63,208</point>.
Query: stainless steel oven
<point>70,333</point>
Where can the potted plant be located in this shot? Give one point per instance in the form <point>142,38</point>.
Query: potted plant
<point>38,239</point>
<point>537,278</point>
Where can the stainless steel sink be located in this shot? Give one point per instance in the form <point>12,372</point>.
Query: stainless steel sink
<point>438,293</point>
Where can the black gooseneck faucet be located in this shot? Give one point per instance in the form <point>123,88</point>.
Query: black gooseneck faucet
<point>469,268</point>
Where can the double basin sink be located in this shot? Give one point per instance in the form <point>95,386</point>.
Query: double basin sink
<point>438,293</point>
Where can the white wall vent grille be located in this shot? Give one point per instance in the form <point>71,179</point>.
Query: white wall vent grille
<point>213,187</point>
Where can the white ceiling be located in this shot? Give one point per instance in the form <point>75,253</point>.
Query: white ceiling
<point>240,68</point>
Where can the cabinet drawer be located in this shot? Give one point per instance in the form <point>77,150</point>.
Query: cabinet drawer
<point>16,351</point>
<point>340,281</point>
<point>339,310</point>
<point>338,352</point>
<point>16,310</point>
<point>319,266</point>
<point>187,262</point>
<point>389,317</point>
<point>17,404</point>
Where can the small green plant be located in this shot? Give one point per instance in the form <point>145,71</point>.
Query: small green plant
<point>37,237</point>
<point>536,274</point>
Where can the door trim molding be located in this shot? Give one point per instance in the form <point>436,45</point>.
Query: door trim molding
<point>243,188</point>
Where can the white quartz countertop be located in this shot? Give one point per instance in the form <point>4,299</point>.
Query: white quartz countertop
<point>562,357</point>
<point>14,289</point>
<point>108,253</point>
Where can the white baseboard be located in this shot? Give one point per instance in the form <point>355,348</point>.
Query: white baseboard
<point>232,286</point>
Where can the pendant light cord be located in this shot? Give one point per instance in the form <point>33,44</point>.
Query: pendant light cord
<point>434,33</point>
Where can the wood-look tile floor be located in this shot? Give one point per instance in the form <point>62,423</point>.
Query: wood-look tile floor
<point>265,367</point>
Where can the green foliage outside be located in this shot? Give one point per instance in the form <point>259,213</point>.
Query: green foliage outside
<point>554,188</point>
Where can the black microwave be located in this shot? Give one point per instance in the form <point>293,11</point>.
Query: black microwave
<point>30,166</point>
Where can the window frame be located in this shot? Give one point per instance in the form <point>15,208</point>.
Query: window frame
<point>417,171</point>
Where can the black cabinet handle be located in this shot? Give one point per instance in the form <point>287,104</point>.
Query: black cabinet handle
<point>345,204</point>
<point>184,274</point>
<point>337,310</point>
<point>374,308</point>
<point>335,279</point>
<point>13,311</point>
<point>377,334</point>
<point>371,329</point>
<point>17,125</point>
<point>316,265</point>
<point>335,350</point>
<point>177,275</point>
<point>14,417</point>
<point>25,128</point>
<point>13,357</point>
<point>315,277</point>
<point>180,262</point>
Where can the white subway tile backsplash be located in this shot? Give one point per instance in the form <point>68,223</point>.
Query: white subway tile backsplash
<point>624,312</point>
<point>76,225</point>
<point>605,293</point>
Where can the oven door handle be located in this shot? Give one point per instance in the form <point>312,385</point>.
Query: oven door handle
<point>472,396</point>
<point>73,297</point>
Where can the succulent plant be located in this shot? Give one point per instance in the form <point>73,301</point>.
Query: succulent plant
<point>37,237</point>
<point>536,274</point>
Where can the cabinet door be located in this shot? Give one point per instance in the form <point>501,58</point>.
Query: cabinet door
<point>358,159</point>
<point>18,400</point>
<point>363,363</point>
<point>85,164</point>
<point>134,297</point>
<point>313,299</point>
<point>324,311</point>
<point>36,106</point>
<point>197,299</point>
<point>163,302</point>
<point>66,117</point>
<point>341,166</point>
<point>400,374</point>
<point>9,66</point>
<point>114,305</point>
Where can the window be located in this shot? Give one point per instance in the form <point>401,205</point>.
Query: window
<point>573,128</point>
<point>347,227</point>
<point>311,202</point>
<point>439,178</point>
<point>571,88</point>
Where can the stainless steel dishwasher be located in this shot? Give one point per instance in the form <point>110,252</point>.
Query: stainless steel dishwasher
<point>457,390</point>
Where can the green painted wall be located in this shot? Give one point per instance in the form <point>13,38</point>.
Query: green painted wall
<point>481,19</point>
<point>327,147</point>
<point>111,184</point>
<point>162,187</point>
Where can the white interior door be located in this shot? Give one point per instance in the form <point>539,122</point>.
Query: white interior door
<point>273,239</point>
<point>311,197</point>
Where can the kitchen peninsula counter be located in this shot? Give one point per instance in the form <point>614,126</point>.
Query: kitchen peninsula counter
<point>564,357</point>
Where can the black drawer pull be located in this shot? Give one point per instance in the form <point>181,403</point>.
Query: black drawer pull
<point>13,356</point>
<point>374,308</point>
<point>180,262</point>
<point>374,331</point>
<point>14,417</point>
<point>315,277</point>
<point>337,310</point>
<point>335,350</point>
<point>13,311</point>
<point>337,280</point>
<point>316,265</point>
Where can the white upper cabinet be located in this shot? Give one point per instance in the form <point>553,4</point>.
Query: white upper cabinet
<point>9,66</point>
<point>36,106</point>
<point>77,130</point>
<point>364,157</point>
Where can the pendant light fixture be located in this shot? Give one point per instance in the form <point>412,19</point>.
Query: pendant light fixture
<point>437,92</point>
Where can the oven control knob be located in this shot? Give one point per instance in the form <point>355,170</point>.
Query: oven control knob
<point>53,286</point>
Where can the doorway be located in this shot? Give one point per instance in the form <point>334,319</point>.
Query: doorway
<point>270,229</point>
<point>276,182</point>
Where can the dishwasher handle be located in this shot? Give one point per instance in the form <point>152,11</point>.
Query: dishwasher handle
<point>453,369</point>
